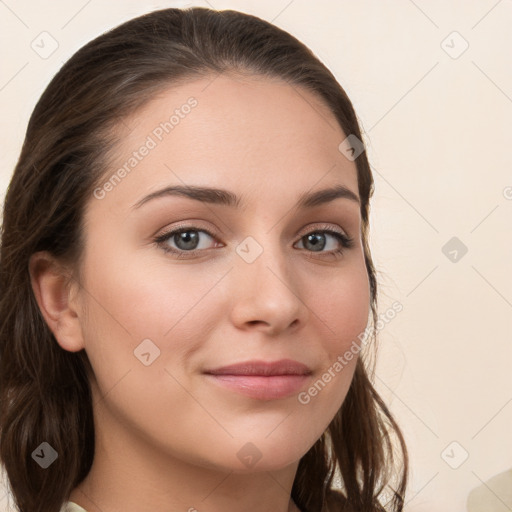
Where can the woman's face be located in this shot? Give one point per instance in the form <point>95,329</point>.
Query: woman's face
<point>161,314</point>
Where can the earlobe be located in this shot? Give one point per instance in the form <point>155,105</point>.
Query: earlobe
<point>52,286</point>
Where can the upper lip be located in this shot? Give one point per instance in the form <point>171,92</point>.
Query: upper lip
<point>263,368</point>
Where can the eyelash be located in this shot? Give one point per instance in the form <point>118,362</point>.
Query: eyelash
<point>346,242</point>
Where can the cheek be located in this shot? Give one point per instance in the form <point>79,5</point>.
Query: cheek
<point>342,309</point>
<point>341,314</point>
<point>141,314</point>
<point>130,301</point>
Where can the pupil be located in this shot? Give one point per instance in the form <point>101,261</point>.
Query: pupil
<point>188,239</point>
<point>313,236</point>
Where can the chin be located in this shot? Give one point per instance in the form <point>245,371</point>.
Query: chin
<point>268,454</point>
<point>245,456</point>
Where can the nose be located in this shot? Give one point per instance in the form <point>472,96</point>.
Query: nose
<point>267,293</point>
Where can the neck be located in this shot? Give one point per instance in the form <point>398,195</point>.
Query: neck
<point>131,475</point>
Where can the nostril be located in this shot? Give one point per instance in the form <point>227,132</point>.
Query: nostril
<point>252,322</point>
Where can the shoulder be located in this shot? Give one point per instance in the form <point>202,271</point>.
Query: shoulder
<point>69,506</point>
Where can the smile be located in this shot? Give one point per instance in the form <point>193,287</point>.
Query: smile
<point>260,379</point>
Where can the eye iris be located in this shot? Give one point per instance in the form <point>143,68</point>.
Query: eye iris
<point>314,238</point>
<point>189,237</point>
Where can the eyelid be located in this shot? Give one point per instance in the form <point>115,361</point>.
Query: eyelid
<point>324,227</point>
<point>191,225</point>
<point>196,226</point>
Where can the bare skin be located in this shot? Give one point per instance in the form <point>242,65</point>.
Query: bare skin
<point>167,437</point>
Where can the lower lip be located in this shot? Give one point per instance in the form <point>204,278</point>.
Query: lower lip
<point>259,387</point>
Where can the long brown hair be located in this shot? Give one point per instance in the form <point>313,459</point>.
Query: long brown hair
<point>44,390</point>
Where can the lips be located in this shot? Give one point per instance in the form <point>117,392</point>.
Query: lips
<point>263,368</point>
<point>262,380</point>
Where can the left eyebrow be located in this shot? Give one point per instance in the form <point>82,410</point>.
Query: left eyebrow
<point>227,198</point>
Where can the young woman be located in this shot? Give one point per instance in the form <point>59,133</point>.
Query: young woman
<point>186,282</point>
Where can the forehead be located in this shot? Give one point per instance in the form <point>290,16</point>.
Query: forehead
<point>245,133</point>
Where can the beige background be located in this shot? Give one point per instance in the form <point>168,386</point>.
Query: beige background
<point>437,124</point>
